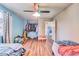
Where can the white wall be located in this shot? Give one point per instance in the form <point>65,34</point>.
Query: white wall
<point>41,27</point>
<point>68,24</point>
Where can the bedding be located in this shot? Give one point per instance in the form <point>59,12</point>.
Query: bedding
<point>11,49</point>
<point>17,53</point>
<point>5,50</point>
<point>66,42</point>
<point>69,50</point>
<point>65,48</point>
<point>55,48</point>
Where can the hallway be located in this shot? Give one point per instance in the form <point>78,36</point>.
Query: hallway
<point>38,48</point>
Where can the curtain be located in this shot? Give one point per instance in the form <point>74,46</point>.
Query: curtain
<point>7,37</point>
<point>1,26</point>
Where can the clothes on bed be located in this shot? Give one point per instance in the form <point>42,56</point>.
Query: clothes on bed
<point>17,53</point>
<point>12,53</point>
<point>66,42</point>
<point>5,50</point>
<point>11,49</point>
<point>16,46</point>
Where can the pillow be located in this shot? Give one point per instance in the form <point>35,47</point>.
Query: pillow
<point>16,46</point>
<point>66,42</point>
<point>55,48</point>
<point>32,34</point>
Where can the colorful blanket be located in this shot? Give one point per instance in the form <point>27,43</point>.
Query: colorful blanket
<point>69,50</point>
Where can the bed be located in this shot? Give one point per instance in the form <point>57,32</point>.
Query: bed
<point>65,48</point>
<point>14,49</point>
<point>55,49</point>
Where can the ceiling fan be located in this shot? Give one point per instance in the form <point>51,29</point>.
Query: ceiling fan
<point>36,9</point>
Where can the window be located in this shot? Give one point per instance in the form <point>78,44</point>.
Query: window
<point>1,26</point>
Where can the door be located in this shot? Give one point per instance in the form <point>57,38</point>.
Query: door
<point>50,29</point>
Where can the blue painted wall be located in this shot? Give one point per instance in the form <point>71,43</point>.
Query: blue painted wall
<point>18,26</point>
<point>17,22</point>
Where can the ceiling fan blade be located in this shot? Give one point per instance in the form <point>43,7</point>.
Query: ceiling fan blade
<point>38,11</point>
<point>28,11</point>
<point>44,11</point>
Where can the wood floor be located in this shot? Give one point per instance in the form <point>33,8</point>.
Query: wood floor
<point>38,48</point>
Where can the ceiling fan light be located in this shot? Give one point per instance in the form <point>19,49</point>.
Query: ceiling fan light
<point>36,14</point>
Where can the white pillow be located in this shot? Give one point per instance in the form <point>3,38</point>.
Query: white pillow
<point>32,34</point>
<point>55,49</point>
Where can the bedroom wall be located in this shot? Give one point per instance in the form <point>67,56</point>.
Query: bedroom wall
<point>17,22</point>
<point>68,24</point>
<point>41,28</point>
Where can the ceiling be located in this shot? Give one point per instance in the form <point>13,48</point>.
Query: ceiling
<point>18,8</point>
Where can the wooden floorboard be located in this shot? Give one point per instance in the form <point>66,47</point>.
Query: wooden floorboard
<point>38,48</point>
